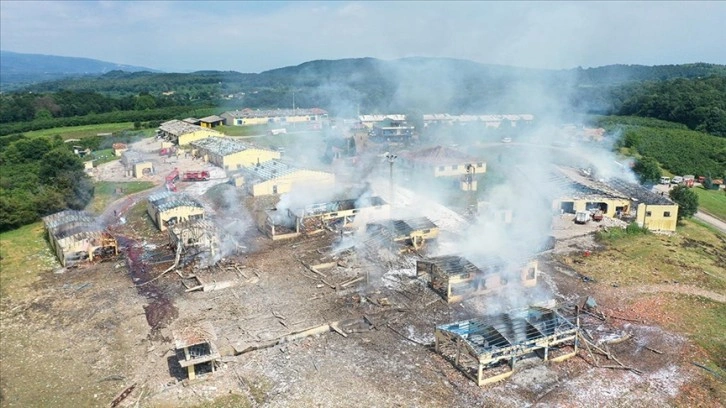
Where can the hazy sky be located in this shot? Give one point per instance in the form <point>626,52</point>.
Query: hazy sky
<point>256,36</point>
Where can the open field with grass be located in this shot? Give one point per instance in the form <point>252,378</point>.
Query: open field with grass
<point>79,132</point>
<point>242,130</point>
<point>106,192</point>
<point>712,201</point>
<point>24,255</point>
<point>694,256</point>
<point>678,281</point>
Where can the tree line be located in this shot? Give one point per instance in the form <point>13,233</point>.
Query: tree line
<point>38,177</point>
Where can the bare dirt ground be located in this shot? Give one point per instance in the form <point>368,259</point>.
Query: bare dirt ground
<point>82,336</point>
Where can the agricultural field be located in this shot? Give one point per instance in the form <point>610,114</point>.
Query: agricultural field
<point>80,132</point>
<point>712,201</point>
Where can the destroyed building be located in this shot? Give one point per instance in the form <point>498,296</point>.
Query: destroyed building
<point>75,237</point>
<point>231,154</point>
<point>487,349</point>
<point>316,218</point>
<point>456,278</point>
<point>182,133</point>
<point>195,349</point>
<point>196,238</point>
<point>276,177</point>
<point>135,165</point>
<point>167,208</point>
<point>616,198</point>
<point>407,233</point>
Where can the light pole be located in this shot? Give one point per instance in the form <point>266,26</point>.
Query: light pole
<point>391,158</point>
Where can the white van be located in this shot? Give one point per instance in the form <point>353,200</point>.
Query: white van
<point>677,180</point>
<point>665,180</point>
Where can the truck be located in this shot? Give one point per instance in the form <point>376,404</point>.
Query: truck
<point>582,217</point>
<point>202,175</point>
<point>275,132</point>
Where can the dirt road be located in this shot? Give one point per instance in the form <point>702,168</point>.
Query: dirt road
<point>711,220</point>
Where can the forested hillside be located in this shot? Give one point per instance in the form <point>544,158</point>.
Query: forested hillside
<point>698,103</point>
<point>692,94</point>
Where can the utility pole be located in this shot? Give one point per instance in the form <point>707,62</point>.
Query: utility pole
<point>391,158</point>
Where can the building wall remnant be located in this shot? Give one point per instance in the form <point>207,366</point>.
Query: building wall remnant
<point>76,237</point>
<point>168,208</point>
<point>486,350</point>
<point>456,278</point>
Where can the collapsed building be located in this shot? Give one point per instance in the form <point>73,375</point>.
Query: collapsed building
<point>167,208</point>
<point>487,349</point>
<point>276,177</point>
<point>316,218</point>
<point>196,238</point>
<point>231,154</point>
<point>182,133</point>
<point>75,237</point>
<point>402,234</point>
<point>195,349</point>
<point>456,278</point>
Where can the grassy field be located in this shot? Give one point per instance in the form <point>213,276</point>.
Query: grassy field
<point>103,156</point>
<point>712,201</point>
<point>107,191</point>
<point>692,258</point>
<point>242,130</point>
<point>79,132</point>
<point>695,255</point>
<point>24,254</point>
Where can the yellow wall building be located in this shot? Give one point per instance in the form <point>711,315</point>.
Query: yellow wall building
<point>276,177</point>
<point>277,117</point>
<point>167,208</point>
<point>183,133</point>
<point>657,217</point>
<point>230,154</point>
<point>75,237</point>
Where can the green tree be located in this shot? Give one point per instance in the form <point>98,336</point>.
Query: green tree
<point>687,201</point>
<point>647,170</point>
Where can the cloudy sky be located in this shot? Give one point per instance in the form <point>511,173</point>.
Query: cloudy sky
<point>256,36</point>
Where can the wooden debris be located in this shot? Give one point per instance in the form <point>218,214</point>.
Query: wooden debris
<point>405,337</point>
<point>125,393</point>
<point>350,282</point>
<point>654,350</point>
<point>707,369</point>
<point>337,329</point>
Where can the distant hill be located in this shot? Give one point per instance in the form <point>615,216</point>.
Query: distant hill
<point>372,85</point>
<point>18,68</point>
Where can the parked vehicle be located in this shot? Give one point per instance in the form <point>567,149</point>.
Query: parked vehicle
<point>677,180</point>
<point>665,180</point>
<point>689,180</point>
<point>275,132</point>
<point>597,215</point>
<point>582,217</point>
<point>202,175</point>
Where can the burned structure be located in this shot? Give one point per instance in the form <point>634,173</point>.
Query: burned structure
<point>135,164</point>
<point>487,349</point>
<point>402,234</point>
<point>456,278</point>
<point>168,208</point>
<point>615,198</point>
<point>196,239</point>
<point>195,349</point>
<point>75,237</point>
<point>315,218</point>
